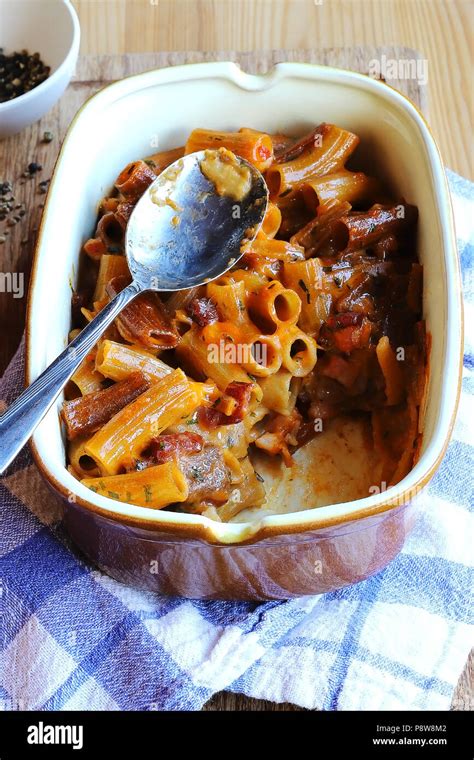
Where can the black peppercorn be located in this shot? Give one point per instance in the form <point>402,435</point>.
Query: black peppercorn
<point>19,73</point>
<point>34,167</point>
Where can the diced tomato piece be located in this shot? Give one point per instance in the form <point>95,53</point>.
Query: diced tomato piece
<point>263,153</point>
<point>212,418</point>
<point>354,336</point>
<point>165,447</point>
<point>203,311</point>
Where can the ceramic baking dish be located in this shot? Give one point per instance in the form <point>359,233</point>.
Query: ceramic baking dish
<point>313,548</point>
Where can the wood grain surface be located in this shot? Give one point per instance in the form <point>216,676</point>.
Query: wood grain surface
<point>92,73</point>
<point>441,30</point>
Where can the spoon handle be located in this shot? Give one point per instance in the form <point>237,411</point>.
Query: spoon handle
<point>22,417</point>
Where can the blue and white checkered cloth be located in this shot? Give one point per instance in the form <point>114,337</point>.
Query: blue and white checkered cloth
<point>72,638</point>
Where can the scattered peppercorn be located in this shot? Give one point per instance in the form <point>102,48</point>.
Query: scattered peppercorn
<point>34,167</point>
<point>48,137</point>
<point>43,186</point>
<point>20,73</point>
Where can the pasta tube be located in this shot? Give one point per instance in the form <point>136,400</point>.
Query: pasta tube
<point>117,361</point>
<point>305,278</point>
<point>274,306</point>
<point>322,193</point>
<point>120,442</point>
<point>255,147</point>
<point>160,161</point>
<point>110,266</point>
<point>86,377</point>
<point>279,391</point>
<point>86,414</point>
<point>271,222</point>
<point>298,351</point>
<point>144,320</point>
<point>210,359</point>
<point>328,155</point>
<point>134,179</point>
<point>153,487</point>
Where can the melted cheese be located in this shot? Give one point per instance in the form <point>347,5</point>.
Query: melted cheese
<point>227,174</point>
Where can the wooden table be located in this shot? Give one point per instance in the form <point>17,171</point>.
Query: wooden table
<point>440,29</point>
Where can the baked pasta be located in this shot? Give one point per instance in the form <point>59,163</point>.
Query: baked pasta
<point>321,317</point>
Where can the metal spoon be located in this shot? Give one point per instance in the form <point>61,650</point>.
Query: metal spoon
<point>181,234</point>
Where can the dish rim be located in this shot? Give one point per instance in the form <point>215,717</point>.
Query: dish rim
<point>202,528</point>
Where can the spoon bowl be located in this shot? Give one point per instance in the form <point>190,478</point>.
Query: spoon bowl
<point>182,233</point>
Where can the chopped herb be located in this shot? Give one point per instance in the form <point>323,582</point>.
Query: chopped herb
<point>304,287</point>
<point>148,493</point>
<point>196,473</point>
<point>113,494</point>
<point>191,421</point>
<point>252,377</point>
<point>149,162</point>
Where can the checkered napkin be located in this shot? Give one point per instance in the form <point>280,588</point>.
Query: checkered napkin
<point>72,638</point>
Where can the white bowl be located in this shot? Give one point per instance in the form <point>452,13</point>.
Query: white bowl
<point>157,110</point>
<point>51,28</point>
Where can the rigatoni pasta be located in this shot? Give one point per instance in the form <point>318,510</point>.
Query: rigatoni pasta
<point>321,317</point>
